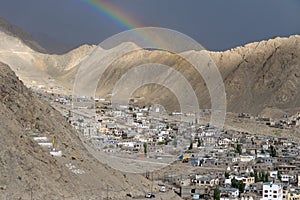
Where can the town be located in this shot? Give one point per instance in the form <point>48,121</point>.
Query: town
<point>216,163</point>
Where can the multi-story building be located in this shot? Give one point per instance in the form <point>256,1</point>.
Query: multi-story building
<point>272,191</point>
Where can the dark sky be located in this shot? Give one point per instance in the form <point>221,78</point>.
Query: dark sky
<point>217,25</point>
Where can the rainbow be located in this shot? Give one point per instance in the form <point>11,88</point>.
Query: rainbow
<point>112,13</point>
<point>118,17</point>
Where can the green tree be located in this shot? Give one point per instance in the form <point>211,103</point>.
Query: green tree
<point>238,184</point>
<point>267,177</point>
<point>239,149</point>
<point>145,148</point>
<point>227,175</point>
<point>273,151</point>
<point>217,193</point>
<point>256,179</point>
<point>241,186</point>
<point>191,145</point>
<point>279,175</point>
<point>262,176</point>
<point>199,143</point>
<point>234,183</point>
<point>134,115</point>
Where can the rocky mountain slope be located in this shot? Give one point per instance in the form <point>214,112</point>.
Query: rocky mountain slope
<point>28,171</point>
<point>35,68</point>
<point>262,74</point>
<point>258,76</point>
<point>15,31</point>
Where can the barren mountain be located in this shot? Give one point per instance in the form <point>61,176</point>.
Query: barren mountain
<point>15,31</point>
<point>36,68</point>
<point>262,74</point>
<point>258,76</point>
<point>28,171</point>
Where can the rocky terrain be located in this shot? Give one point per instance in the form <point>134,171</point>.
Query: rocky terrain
<point>258,77</point>
<point>262,75</point>
<point>36,68</point>
<point>15,31</point>
<point>28,171</point>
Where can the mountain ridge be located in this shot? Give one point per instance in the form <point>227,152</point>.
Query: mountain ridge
<point>16,31</point>
<point>256,75</point>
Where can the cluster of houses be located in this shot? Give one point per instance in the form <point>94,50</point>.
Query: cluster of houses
<point>285,123</point>
<point>236,165</point>
<point>142,131</point>
<point>249,166</point>
<point>241,166</point>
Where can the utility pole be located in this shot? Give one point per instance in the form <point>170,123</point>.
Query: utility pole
<point>31,193</point>
<point>151,181</point>
<point>107,191</point>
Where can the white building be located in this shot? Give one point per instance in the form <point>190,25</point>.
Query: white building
<point>285,178</point>
<point>246,158</point>
<point>272,191</point>
<point>274,174</point>
<point>231,192</point>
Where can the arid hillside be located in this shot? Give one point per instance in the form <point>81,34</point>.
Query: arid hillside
<point>262,75</point>
<point>15,31</point>
<point>28,171</point>
<point>259,76</point>
<point>35,68</point>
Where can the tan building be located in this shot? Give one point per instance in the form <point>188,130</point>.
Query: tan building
<point>206,181</point>
<point>248,180</point>
<point>293,195</point>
